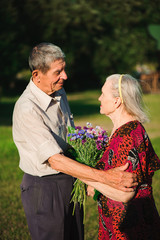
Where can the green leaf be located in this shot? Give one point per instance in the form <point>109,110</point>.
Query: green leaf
<point>96,195</point>
<point>71,129</point>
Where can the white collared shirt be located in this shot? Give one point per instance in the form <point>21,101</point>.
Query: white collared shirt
<point>39,128</point>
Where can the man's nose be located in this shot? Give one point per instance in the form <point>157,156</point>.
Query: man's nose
<point>64,75</point>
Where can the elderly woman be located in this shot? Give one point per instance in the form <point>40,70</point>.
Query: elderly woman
<point>121,101</point>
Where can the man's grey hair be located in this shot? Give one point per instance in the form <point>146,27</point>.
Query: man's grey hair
<point>42,55</point>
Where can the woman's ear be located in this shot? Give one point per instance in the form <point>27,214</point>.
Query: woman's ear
<point>117,102</point>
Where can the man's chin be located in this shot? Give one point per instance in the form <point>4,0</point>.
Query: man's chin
<point>59,87</point>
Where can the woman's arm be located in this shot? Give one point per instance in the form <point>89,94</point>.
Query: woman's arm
<point>110,192</point>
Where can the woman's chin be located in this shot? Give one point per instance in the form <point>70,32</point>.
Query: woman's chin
<point>101,112</point>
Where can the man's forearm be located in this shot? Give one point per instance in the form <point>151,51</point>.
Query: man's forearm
<point>66,165</point>
<point>116,177</point>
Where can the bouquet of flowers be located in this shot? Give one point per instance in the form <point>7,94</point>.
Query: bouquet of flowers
<point>87,146</point>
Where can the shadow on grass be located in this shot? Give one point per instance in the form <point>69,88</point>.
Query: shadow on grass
<point>78,108</point>
<point>82,108</point>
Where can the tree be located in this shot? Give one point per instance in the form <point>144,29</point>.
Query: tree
<point>98,37</point>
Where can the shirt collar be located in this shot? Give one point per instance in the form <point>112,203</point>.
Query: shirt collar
<point>44,99</point>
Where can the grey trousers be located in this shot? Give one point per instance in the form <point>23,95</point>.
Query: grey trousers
<point>46,202</point>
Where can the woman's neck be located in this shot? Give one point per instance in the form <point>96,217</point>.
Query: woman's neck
<point>119,119</point>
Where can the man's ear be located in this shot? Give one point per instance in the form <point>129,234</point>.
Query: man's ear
<point>36,76</point>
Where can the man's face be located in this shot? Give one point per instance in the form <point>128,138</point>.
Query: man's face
<point>52,80</point>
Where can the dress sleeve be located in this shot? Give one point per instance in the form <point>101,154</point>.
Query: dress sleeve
<point>137,149</point>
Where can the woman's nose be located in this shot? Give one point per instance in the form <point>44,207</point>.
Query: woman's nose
<point>99,99</point>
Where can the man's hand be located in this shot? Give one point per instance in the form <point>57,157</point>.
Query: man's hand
<point>119,179</point>
<point>116,177</point>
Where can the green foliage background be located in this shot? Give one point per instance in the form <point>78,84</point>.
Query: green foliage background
<point>98,37</point>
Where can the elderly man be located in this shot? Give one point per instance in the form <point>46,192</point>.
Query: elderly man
<point>40,119</point>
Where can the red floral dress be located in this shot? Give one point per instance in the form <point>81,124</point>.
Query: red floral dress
<point>138,219</point>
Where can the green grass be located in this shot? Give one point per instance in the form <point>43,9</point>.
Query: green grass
<point>85,107</point>
<point>12,220</point>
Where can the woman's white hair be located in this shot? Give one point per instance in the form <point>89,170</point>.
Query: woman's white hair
<point>131,93</point>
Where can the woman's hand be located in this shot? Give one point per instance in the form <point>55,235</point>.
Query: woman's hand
<point>90,191</point>
<point>108,191</point>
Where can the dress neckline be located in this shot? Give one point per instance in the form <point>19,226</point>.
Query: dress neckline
<point>114,133</point>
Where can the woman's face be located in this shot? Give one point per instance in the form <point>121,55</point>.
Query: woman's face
<point>107,100</point>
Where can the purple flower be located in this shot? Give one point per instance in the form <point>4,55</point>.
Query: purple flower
<point>99,147</point>
<point>78,136</point>
<point>74,134</point>
<point>73,138</point>
<point>106,139</point>
<point>89,124</point>
<point>81,131</point>
<point>84,140</point>
<point>84,134</point>
<point>89,135</point>
<point>100,138</point>
<point>78,127</point>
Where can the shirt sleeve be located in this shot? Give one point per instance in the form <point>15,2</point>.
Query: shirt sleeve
<point>36,134</point>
